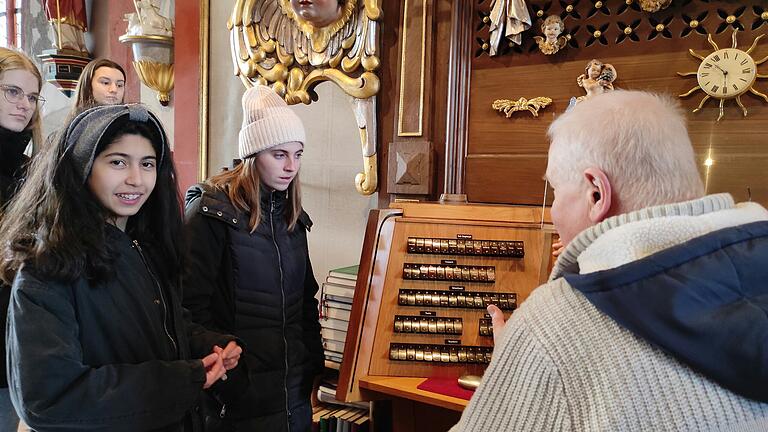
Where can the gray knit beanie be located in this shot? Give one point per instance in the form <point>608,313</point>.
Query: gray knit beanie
<point>267,122</point>
<point>87,129</point>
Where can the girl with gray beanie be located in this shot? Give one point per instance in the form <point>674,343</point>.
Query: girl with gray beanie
<point>249,269</point>
<point>96,338</point>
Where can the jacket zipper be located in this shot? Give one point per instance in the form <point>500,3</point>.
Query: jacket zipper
<point>162,297</point>
<point>282,303</point>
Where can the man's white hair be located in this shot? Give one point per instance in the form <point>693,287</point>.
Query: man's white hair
<point>638,139</point>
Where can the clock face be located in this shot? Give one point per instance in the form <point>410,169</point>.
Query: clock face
<point>727,73</point>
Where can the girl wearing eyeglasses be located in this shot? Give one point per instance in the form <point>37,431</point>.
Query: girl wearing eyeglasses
<point>20,84</point>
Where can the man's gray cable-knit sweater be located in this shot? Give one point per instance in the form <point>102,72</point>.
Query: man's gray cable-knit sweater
<point>562,365</point>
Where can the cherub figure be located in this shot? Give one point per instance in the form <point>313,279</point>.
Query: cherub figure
<point>598,78</point>
<point>552,42</point>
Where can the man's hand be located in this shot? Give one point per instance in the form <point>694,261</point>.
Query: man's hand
<point>497,319</point>
<point>214,369</point>
<point>230,354</point>
<point>557,248</point>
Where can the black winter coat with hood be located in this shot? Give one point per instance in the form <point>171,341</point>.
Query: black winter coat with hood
<point>260,287</point>
<point>112,356</point>
<point>12,169</point>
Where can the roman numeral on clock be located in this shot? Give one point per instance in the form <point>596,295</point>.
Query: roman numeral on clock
<point>743,62</point>
<point>715,88</point>
<point>747,70</point>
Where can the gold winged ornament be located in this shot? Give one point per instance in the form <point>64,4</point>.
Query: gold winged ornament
<point>508,106</point>
<point>293,45</point>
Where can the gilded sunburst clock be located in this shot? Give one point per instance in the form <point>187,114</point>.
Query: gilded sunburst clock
<point>726,73</point>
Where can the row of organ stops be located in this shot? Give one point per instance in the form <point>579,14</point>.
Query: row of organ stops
<point>440,353</point>
<point>459,246</point>
<point>438,325</point>
<point>456,299</point>
<point>449,272</point>
<point>428,324</point>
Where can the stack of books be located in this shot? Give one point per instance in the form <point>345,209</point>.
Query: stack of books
<point>340,419</point>
<point>335,306</point>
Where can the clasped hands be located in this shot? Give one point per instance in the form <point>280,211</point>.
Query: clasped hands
<point>218,362</point>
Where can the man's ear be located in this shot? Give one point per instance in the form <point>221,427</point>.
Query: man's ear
<point>599,194</point>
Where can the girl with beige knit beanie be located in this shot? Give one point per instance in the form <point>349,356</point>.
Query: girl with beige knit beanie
<point>250,273</point>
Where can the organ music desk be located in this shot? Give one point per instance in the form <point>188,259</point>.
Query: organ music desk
<point>427,272</point>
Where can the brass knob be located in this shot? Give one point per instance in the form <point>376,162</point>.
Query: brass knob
<point>569,8</point>
<point>598,4</point>
<point>597,34</point>
<point>629,2</point>
<point>485,46</point>
<point>693,24</point>
<point>486,19</point>
<point>540,13</point>
<point>764,15</point>
<point>659,27</point>
<point>731,19</point>
<point>628,31</point>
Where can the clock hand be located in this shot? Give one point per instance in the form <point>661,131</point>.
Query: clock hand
<point>721,69</point>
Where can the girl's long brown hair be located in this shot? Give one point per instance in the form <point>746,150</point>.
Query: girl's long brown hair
<point>242,186</point>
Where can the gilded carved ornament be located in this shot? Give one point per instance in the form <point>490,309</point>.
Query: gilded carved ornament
<point>508,106</point>
<point>293,45</point>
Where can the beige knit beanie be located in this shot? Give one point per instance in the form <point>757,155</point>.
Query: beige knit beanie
<point>267,122</point>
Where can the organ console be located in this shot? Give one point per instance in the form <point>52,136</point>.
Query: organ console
<point>427,273</point>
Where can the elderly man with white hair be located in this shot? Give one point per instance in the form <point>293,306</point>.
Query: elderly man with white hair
<point>655,317</point>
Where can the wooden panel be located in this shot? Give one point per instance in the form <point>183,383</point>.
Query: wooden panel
<point>737,174</point>
<point>507,157</point>
<point>505,178</point>
<point>374,259</point>
<point>415,67</point>
<point>406,387</point>
<point>475,213</point>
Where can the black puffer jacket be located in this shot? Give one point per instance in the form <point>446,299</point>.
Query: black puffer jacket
<point>12,166</point>
<point>261,288</point>
<point>113,356</point>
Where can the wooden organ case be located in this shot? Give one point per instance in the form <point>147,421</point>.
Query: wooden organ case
<point>427,273</point>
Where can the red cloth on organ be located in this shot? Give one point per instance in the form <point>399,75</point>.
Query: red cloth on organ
<point>446,386</point>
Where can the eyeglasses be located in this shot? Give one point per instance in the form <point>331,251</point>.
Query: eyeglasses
<point>14,95</point>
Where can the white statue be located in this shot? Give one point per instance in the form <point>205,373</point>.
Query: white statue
<point>147,20</point>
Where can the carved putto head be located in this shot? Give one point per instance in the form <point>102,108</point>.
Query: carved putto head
<point>552,26</point>
<point>552,42</point>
